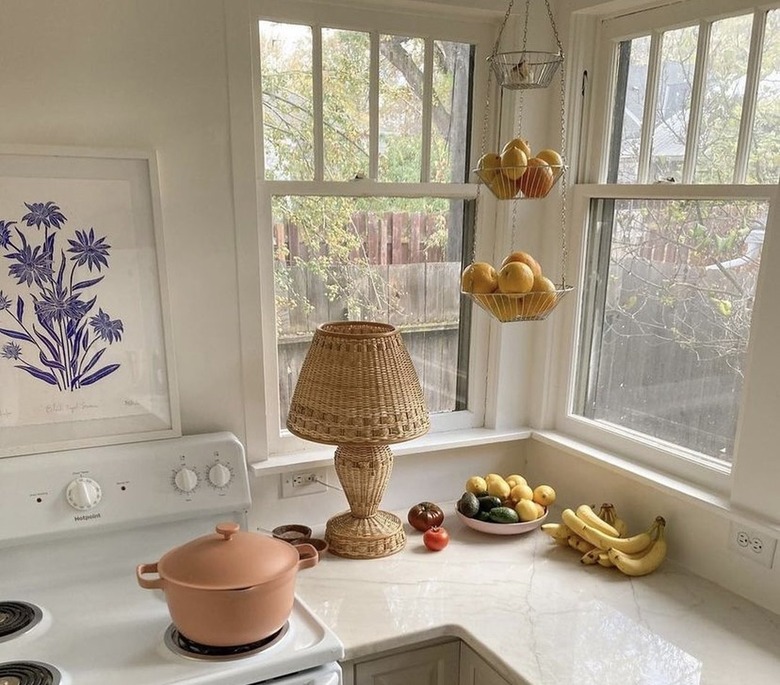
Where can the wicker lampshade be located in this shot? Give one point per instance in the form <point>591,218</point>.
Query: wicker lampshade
<point>358,386</point>
<point>358,389</point>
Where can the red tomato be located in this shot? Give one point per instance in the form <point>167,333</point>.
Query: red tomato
<point>436,538</point>
<point>425,515</point>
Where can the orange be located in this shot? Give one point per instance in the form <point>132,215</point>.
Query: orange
<point>515,277</point>
<point>538,178</point>
<point>525,258</point>
<point>552,157</point>
<point>489,165</point>
<point>520,144</point>
<point>479,277</point>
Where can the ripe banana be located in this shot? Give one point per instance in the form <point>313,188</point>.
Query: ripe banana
<point>631,545</point>
<point>558,532</point>
<point>576,542</point>
<point>591,557</point>
<point>590,517</point>
<point>607,513</point>
<point>604,560</point>
<point>642,564</point>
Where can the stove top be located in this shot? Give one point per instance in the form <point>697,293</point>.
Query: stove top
<point>92,624</point>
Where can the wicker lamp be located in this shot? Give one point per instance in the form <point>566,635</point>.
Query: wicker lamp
<point>359,390</point>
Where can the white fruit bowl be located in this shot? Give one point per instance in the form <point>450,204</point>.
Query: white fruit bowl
<point>501,528</point>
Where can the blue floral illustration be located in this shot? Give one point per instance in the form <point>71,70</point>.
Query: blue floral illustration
<point>59,344</point>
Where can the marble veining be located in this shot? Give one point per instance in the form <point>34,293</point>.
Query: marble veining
<point>540,617</point>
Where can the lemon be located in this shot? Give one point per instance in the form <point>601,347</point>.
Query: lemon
<point>526,510</point>
<point>515,479</point>
<point>513,163</point>
<point>498,488</point>
<point>544,495</point>
<point>476,485</point>
<point>521,491</point>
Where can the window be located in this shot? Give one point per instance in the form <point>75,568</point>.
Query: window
<point>363,128</point>
<point>675,226</point>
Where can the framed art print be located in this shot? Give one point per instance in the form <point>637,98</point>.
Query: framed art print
<point>85,345</point>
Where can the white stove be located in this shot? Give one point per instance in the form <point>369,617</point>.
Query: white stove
<point>73,527</point>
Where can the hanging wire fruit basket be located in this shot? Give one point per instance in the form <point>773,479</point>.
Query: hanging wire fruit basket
<point>525,68</point>
<point>529,182</point>
<point>519,291</point>
<point>532,306</point>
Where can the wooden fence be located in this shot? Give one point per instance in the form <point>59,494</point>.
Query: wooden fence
<point>386,237</point>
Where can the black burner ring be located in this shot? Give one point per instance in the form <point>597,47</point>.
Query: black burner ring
<point>198,649</point>
<point>28,673</point>
<point>16,616</point>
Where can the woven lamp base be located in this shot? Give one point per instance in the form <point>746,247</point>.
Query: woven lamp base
<point>365,538</point>
<point>364,532</point>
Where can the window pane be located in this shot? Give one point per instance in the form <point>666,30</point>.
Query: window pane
<point>674,283</point>
<point>449,130</point>
<point>345,91</point>
<point>764,161</point>
<point>288,129</point>
<point>381,259</point>
<point>672,107</point>
<point>401,78</point>
<point>633,58</point>
<point>724,88</point>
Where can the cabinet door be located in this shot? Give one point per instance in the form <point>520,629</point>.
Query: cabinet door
<point>436,665</point>
<point>474,670</point>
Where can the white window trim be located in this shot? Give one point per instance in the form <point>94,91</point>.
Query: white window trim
<point>252,201</point>
<point>676,468</point>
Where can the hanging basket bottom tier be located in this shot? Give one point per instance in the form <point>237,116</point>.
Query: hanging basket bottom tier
<point>521,183</point>
<point>509,307</point>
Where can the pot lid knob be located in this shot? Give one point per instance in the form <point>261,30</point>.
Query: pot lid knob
<point>228,530</point>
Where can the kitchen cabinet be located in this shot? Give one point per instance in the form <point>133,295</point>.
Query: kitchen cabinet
<point>445,663</point>
<point>474,670</point>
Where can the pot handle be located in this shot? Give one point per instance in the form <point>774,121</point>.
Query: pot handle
<point>307,555</point>
<point>148,583</point>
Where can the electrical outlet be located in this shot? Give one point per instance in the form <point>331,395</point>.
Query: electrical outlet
<point>308,482</point>
<point>752,544</point>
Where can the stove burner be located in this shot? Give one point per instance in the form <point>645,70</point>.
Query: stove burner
<point>17,618</point>
<point>28,673</point>
<point>182,645</point>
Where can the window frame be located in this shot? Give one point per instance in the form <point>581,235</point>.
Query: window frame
<point>596,50</point>
<point>255,256</point>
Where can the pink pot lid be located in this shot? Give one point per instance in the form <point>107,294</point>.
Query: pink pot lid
<point>228,560</point>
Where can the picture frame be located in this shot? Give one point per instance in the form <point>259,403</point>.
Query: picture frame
<point>86,353</point>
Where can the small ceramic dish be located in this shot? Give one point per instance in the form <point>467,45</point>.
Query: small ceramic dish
<point>292,532</point>
<point>502,528</point>
<point>318,543</point>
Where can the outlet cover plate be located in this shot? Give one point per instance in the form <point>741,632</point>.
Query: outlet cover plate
<point>752,544</point>
<point>303,482</point>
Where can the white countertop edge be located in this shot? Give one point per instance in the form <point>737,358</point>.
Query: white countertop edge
<point>432,442</point>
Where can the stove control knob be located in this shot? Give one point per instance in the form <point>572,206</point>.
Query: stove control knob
<point>220,475</point>
<point>185,480</point>
<point>83,493</point>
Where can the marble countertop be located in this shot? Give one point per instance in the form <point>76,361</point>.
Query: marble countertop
<point>540,617</point>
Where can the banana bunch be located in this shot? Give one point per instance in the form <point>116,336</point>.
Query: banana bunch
<point>603,539</point>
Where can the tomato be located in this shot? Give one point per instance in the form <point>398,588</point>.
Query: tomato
<point>436,538</point>
<point>425,515</point>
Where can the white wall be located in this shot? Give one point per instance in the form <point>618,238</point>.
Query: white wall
<point>151,75</point>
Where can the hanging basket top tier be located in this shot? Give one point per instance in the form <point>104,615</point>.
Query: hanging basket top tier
<point>358,385</point>
<point>525,68</point>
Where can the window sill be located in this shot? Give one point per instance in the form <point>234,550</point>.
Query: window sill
<point>432,442</point>
<point>657,480</point>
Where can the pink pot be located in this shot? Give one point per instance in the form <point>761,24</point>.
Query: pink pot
<point>229,588</point>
